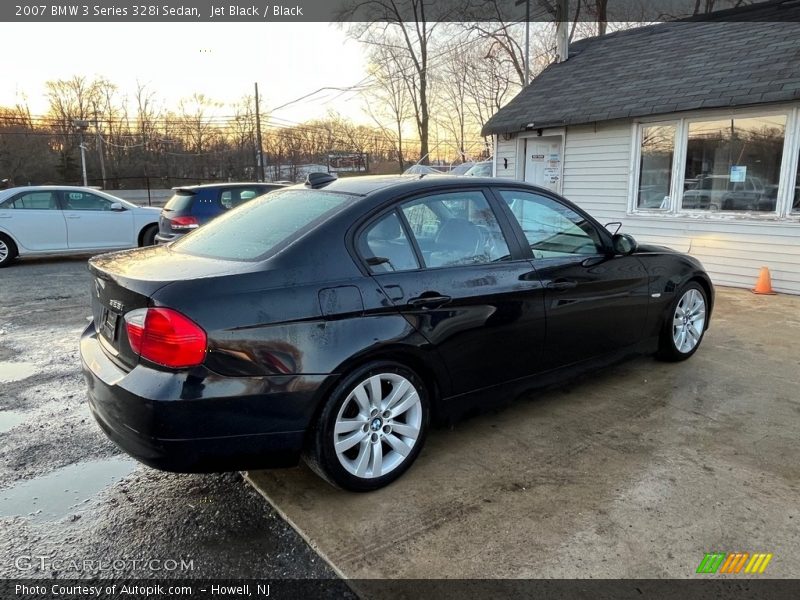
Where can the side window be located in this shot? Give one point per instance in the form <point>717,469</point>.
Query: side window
<point>385,246</point>
<point>551,228</point>
<point>457,228</point>
<point>32,201</point>
<point>85,201</point>
<point>234,197</point>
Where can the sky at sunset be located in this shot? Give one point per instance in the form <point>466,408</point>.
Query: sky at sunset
<point>219,60</point>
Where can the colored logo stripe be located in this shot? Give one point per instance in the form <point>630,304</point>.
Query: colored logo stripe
<point>711,562</point>
<point>721,562</point>
<point>758,563</point>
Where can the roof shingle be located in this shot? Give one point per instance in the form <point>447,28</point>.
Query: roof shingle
<point>677,66</point>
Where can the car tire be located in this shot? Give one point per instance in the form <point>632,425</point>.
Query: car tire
<point>8,250</point>
<point>684,324</point>
<point>149,236</point>
<point>371,428</point>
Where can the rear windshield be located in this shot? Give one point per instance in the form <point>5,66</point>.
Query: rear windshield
<point>261,226</point>
<point>181,201</point>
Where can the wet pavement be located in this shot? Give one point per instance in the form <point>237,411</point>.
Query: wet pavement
<point>633,472</point>
<point>67,494</point>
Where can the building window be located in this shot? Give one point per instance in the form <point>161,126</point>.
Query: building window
<point>655,167</point>
<point>733,164</point>
<point>795,194</point>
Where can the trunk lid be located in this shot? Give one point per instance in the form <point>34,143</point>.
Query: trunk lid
<point>128,280</point>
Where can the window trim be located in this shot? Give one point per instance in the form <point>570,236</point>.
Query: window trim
<point>787,179</point>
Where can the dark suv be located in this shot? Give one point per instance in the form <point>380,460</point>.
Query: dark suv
<point>194,205</point>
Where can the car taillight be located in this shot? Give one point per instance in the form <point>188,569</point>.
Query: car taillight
<point>166,337</point>
<point>184,223</point>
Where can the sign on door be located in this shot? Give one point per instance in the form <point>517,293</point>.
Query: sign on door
<point>543,164</point>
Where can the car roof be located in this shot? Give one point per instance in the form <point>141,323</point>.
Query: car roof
<point>64,188</point>
<point>226,184</point>
<point>366,185</point>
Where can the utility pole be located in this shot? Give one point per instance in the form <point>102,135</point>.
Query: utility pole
<point>562,30</point>
<point>100,152</point>
<point>262,172</point>
<point>82,126</point>
<point>527,39</point>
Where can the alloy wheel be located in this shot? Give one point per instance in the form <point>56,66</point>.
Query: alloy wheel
<point>378,425</point>
<point>4,251</point>
<point>688,321</point>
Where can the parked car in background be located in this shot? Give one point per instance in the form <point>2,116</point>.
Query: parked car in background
<point>461,169</point>
<point>421,170</point>
<point>481,169</point>
<point>718,192</point>
<point>65,219</point>
<point>333,322</point>
<point>194,205</point>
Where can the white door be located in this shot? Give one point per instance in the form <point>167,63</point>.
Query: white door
<point>543,162</point>
<point>35,221</point>
<point>92,224</point>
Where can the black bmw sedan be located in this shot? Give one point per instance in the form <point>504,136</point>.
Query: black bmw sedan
<point>334,321</point>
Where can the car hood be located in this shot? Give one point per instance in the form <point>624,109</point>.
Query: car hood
<point>654,249</point>
<point>149,210</point>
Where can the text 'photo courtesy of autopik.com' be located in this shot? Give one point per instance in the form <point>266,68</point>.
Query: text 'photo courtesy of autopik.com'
<point>394,299</point>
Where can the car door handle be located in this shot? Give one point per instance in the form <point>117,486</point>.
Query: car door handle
<point>73,216</point>
<point>429,301</point>
<point>562,284</point>
<point>4,216</point>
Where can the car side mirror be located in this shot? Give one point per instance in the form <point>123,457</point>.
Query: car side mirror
<point>623,244</point>
<point>116,206</point>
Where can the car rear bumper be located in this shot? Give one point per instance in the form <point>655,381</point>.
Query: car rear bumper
<point>166,238</point>
<point>196,421</point>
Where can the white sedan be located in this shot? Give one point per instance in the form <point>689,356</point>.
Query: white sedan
<point>63,219</point>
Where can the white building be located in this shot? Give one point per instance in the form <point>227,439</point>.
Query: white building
<point>686,132</point>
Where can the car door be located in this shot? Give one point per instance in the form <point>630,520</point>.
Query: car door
<point>595,302</point>
<point>444,262</point>
<point>92,222</point>
<point>34,219</point>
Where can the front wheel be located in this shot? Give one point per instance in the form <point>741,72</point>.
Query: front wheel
<point>684,325</point>
<point>8,251</point>
<point>371,429</point>
<point>149,236</point>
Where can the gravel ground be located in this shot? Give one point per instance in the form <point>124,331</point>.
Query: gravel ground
<point>66,492</point>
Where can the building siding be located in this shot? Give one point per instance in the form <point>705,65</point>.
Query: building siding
<point>506,149</point>
<point>597,174</point>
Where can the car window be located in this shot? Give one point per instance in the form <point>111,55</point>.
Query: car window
<point>85,201</point>
<point>385,246</point>
<point>457,228</point>
<point>260,227</point>
<point>180,201</point>
<point>32,200</point>
<point>551,228</point>
<point>231,198</point>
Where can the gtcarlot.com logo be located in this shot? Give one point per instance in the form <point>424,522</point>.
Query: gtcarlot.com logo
<point>734,563</point>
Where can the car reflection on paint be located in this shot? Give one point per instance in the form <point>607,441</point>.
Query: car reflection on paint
<point>336,320</point>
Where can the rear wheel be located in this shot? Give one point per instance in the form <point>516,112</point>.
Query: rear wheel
<point>149,235</point>
<point>684,325</point>
<point>371,429</point>
<point>8,251</point>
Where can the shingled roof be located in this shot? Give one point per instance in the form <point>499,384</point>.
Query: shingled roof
<point>664,68</point>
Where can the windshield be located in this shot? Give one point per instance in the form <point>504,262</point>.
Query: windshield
<point>261,226</point>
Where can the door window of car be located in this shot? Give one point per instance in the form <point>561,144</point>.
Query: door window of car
<point>234,197</point>
<point>551,228</point>
<point>385,246</point>
<point>85,201</point>
<point>457,228</point>
<point>32,200</point>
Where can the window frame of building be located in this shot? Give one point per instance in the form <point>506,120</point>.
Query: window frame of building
<point>788,172</point>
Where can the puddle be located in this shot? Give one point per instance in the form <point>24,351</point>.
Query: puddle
<point>10,418</point>
<point>55,495</point>
<point>15,371</point>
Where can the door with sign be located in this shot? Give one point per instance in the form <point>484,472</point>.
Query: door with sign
<point>543,162</point>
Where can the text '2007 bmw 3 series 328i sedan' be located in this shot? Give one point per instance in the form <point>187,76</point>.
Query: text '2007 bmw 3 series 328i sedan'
<point>335,321</point>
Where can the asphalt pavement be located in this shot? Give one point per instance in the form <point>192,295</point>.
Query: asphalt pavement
<point>71,504</point>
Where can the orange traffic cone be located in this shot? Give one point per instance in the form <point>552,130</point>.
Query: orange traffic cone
<point>764,283</point>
